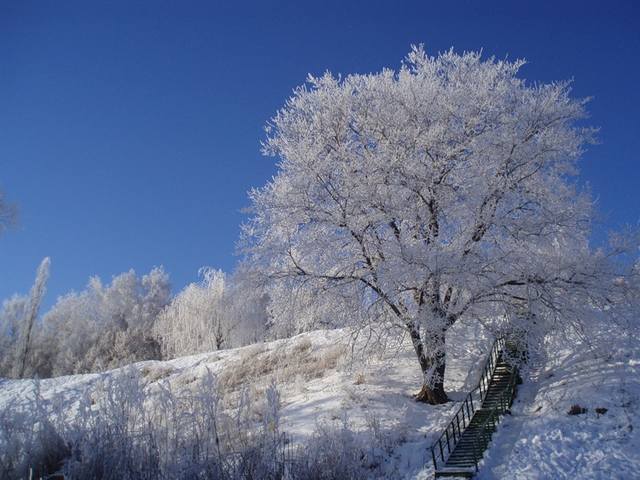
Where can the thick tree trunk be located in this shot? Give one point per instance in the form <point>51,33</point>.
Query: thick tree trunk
<point>433,365</point>
<point>432,391</point>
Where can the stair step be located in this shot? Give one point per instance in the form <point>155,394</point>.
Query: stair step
<point>462,463</point>
<point>470,448</point>
<point>455,473</point>
<point>469,456</point>
<point>475,438</point>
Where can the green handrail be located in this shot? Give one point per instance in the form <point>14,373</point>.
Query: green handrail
<point>486,429</point>
<point>448,442</point>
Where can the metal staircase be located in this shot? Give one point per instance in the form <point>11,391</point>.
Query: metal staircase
<point>461,446</point>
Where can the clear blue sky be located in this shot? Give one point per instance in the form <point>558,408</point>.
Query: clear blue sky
<point>129,131</point>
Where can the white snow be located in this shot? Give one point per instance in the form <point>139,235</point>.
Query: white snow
<point>538,441</point>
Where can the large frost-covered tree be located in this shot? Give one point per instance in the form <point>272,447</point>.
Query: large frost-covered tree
<point>439,191</point>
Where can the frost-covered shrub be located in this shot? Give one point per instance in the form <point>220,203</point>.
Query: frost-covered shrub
<point>194,321</point>
<point>30,445</point>
<point>124,430</point>
<point>336,452</point>
<point>109,440</point>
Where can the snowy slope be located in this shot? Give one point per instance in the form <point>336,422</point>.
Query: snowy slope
<point>540,440</point>
<point>322,379</point>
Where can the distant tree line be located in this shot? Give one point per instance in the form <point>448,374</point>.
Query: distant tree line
<point>130,319</point>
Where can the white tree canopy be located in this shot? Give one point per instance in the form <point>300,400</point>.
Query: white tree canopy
<point>438,191</point>
<point>103,326</point>
<point>218,312</point>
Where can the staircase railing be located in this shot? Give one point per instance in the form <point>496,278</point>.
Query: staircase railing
<point>489,368</point>
<point>485,431</point>
<point>444,445</point>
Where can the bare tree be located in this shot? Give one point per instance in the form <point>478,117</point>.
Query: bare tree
<point>437,192</point>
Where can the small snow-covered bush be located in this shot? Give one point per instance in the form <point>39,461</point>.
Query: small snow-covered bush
<point>30,446</point>
<point>124,430</point>
<point>336,452</point>
<point>174,434</point>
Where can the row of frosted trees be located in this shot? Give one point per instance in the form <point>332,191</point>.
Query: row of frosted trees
<point>133,318</point>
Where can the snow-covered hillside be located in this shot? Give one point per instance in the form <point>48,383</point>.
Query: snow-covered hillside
<point>540,440</point>
<point>325,378</point>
